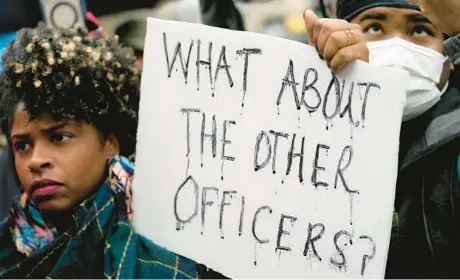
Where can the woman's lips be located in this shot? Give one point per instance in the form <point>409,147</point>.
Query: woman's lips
<point>43,188</point>
<point>45,191</point>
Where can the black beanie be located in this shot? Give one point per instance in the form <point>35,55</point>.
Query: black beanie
<point>348,9</point>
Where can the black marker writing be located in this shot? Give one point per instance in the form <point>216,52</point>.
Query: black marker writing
<point>292,155</point>
<point>200,62</point>
<point>224,66</point>
<point>187,112</point>
<point>289,80</point>
<point>311,240</point>
<point>282,232</point>
<point>317,167</point>
<point>366,95</point>
<point>334,84</point>
<point>343,262</point>
<point>348,150</point>
<point>246,53</point>
<point>205,202</point>
<point>311,86</point>
<point>367,257</point>
<point>240,226</point>
<point>275,146</point>
<point>181,221</point>
<point>262,135</point>
<point>177,52</point>
<point>348,107</point>
<point>212,136</point>
<point>225,142</point>
<point>224,203</point>
<point>254,221</point>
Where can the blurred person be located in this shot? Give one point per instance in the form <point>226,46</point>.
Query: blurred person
<point>425,238</point>
<point>16,14</point>
<point>9,187</point>
<point>444,14</point>
<point>328,8</point>
<point>69,106</point>
<point>221,13</point>
<point>100,8</point>
<point>132,34</point>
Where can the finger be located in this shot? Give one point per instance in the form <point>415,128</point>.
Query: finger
<point>328,28</point>
<point>339,40</point>
<point>325,30</point>
<point>349,54</point>
<point>317,29</point>
<point>310,18</point>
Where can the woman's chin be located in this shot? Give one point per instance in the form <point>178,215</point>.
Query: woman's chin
<point>53,205</point>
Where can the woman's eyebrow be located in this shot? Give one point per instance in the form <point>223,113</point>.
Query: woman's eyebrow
<point>374,16</point>
<point>416,18</point>
<point>55,127</point>
<point>47,130</point>
<point>23,136</point>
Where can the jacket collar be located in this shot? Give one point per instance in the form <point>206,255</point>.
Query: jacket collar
<point>443,128</point>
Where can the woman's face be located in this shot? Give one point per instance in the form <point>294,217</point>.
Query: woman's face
<point>59,163</point>
<point>382,23</point>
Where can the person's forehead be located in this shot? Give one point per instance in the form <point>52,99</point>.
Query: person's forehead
<point>23,124</point>
<point>389,12</point>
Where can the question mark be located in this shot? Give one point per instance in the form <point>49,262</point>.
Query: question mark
<point>367,257</point>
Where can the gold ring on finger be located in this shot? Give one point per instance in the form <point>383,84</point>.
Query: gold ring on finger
<point>350,36</point>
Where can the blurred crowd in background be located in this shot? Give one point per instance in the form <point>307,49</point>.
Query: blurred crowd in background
<point>127,19</point>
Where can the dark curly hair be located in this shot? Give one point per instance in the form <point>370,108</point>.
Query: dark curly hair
<point>71,75</point>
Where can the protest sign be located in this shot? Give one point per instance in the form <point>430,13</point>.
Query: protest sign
<point>255,160</point>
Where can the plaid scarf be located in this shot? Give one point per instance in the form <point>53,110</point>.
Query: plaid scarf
<point>102,245</point>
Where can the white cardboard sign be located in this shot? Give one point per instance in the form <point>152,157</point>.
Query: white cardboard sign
<point>256,161</point>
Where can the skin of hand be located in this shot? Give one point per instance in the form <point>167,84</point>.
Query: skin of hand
<point>333,42</point>
<point>443,14</point>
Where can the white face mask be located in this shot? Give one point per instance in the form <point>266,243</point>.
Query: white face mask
<point>424,65</point>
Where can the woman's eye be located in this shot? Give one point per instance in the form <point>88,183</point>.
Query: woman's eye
<point>421,31</point>
<point>21,146</point>
<point>59,137</point>
<point>373,29</point>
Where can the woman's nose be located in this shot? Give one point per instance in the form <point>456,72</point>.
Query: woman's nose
<point>41,158</point>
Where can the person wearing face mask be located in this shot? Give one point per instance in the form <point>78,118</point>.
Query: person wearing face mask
<point>425,238</point>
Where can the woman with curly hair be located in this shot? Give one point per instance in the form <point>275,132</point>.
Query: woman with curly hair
<point>69,104</point>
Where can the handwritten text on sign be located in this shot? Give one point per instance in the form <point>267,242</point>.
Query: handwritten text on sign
<point>256,161</point>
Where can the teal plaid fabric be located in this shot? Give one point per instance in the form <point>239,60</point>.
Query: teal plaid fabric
<point>102,245</point>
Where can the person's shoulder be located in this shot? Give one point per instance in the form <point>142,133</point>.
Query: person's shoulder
<point>450,102</point>
<point>165,263</point>
<point>127,247</point>
<point>452,49</point>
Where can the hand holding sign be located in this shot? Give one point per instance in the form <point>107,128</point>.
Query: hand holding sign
<point>338,41</point>
<point>255,161</point>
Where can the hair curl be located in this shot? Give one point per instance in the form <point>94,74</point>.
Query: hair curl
<point>71,75</point>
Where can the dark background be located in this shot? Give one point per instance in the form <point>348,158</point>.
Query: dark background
<point>16,14</point>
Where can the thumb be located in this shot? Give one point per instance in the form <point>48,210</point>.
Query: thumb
<point>310,18</point>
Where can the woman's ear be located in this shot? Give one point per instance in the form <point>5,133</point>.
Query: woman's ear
<point>112,146</point>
